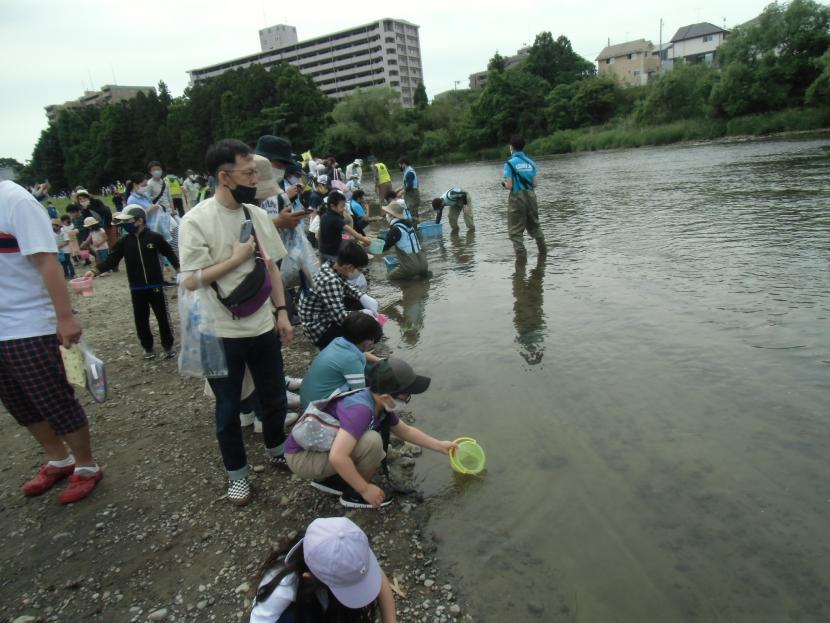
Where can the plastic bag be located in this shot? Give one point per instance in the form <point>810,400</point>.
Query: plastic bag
<point>201,353</point>
<point>96,373</point>
<point>300,257</point>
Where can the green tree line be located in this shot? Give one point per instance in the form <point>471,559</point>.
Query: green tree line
<point>779,62</point>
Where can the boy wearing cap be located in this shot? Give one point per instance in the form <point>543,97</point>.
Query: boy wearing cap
<point>458,201</point>
<point>412,260</point>
<point>357,451</point>
<point>141,249</point>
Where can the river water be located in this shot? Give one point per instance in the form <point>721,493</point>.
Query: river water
<point>653,398</point>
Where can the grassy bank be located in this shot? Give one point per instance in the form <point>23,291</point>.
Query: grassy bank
<point>626,134</point>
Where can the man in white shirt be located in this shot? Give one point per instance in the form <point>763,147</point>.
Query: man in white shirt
<point>215,259</point>
<point>35,318</point>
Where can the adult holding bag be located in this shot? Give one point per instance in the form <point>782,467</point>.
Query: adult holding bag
<point>230,248</point>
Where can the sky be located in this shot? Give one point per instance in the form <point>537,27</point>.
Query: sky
<point>53,50</point>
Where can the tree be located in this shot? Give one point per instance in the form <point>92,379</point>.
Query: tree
<point>497,63</point>
<point>555,61</point>
<point>682,93</point>
<point>772,63</point>
<point>420,99</point>
<point>592,101</point>
<point>819,91</point>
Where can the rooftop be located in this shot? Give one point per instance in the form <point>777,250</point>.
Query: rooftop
<point>693,31</point>
<point>624,49</point>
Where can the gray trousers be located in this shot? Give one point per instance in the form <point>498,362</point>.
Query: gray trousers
<point>523,214</point>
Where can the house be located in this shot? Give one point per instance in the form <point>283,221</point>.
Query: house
<point>632,62</point>
<point>696,43</point>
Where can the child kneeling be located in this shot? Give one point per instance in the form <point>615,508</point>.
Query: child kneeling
<point>335,444</point>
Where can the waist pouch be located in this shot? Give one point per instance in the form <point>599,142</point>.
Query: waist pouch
<point>255,289</point>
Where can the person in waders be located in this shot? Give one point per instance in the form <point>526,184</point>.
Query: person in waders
<point>519,177</point>
<point>411,257</point>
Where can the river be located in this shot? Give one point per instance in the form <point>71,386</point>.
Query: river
<point>652,398</point>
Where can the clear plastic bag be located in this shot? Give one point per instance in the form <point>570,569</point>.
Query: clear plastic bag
<point>96,373</point>
<point>300,257</point>
<point>201,354</point>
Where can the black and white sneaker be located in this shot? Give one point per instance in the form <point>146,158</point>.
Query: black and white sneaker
<point>239,492</point>
<point>169,353</point>
<point>333,484</point>
<point>148,355</point>
<point>352,499</point>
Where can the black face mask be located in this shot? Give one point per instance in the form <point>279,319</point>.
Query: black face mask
<point>243,194</point>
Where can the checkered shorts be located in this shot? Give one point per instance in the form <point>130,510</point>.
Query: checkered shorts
<point>33,385</point>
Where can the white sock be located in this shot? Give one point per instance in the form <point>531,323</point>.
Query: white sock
<point>69,460</point>
<point>87,470</point>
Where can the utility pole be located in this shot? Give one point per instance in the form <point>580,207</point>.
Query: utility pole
<point>660,49</point>
<point>456,83</point>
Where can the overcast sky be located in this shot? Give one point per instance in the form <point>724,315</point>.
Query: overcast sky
<point>52,50</point>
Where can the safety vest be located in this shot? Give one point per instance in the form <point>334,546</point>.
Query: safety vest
<point>406,172</point>
<point>451,197</point>
<point>174,186</point>
<point>409,240</point>
<point>383,173</point>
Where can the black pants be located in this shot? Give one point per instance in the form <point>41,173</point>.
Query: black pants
<point>143,300</point>
<point>263,356</point>
<point>178,203</point>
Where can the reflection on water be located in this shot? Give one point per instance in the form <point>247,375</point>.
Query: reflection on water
<point>657,451</point>
<point>528,313</point>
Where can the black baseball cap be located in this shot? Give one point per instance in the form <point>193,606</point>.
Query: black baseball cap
<point>395,376</point>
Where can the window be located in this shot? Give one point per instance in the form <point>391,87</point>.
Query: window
<point>390,50</point>
<point>610,61</point>
<point>395,83</point>
<point>636,72</point>
<point>393,72</point>
<point>390,40</point>
<point>708,38</point>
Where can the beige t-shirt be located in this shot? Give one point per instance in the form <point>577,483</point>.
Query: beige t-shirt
<point>206,237</point>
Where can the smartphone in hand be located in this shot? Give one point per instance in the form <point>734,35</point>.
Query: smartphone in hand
<point>246,231</point>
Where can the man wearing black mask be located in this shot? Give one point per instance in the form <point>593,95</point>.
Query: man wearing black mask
<point>235,269</point>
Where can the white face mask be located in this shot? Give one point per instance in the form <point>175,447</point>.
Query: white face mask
<point>277,174</point>
<point>397,405</point>
<point>292,181</point>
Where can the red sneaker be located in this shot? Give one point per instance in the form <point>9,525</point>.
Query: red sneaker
<point>80,486</point>
<point>46,478</point>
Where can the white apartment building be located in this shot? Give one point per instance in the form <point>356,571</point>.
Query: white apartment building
<point>696,43</point>
<point>382,53</point>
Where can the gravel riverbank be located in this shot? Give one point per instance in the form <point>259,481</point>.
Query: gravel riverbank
<point>155,541</point>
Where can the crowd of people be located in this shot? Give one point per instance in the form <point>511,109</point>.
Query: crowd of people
<point>266,242</point>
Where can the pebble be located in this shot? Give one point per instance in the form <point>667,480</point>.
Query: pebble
<point>242,588</point>
<point>26,618</point>
<point>157,615</point>
<point>201,605</point>
<point>429,583</point>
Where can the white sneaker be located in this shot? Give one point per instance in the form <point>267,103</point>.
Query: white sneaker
<point>257,426</point>
<point>293,383</point>
<point>239,492</point>
<point>293,400</point>
<point>246,419</point>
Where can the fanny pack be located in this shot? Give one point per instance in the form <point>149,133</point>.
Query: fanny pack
<point>255,289</point>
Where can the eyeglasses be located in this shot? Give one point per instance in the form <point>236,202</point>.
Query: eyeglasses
<point>249,173</point>
<point>404,400</point>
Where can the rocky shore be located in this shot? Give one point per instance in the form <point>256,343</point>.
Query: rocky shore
<point>157,541</point>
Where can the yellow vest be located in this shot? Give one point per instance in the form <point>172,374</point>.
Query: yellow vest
<point>174,186</point>
<point>383,173</point>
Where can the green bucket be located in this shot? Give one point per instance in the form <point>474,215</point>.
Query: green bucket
<point>468,458</point>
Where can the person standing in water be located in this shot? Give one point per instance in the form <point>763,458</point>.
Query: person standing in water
<point>519,177</point>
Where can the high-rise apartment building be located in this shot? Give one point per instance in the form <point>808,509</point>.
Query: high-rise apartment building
<point>382,53</point>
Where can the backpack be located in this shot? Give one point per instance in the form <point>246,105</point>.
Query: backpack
<point>315,430</point>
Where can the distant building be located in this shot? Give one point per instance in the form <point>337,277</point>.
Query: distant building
<point>109,94</point>
<point>632,62</point>
<point>7,173</point>
<point>479,79</point>
<point>382,53</point>
<point>696,43</point>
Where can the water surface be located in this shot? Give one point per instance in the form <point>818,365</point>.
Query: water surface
<point>653,397</point>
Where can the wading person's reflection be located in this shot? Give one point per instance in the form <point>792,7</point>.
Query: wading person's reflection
<point>410,317</point>
<point>528,315</point>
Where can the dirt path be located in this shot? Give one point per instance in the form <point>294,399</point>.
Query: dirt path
<point>154,542</point>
